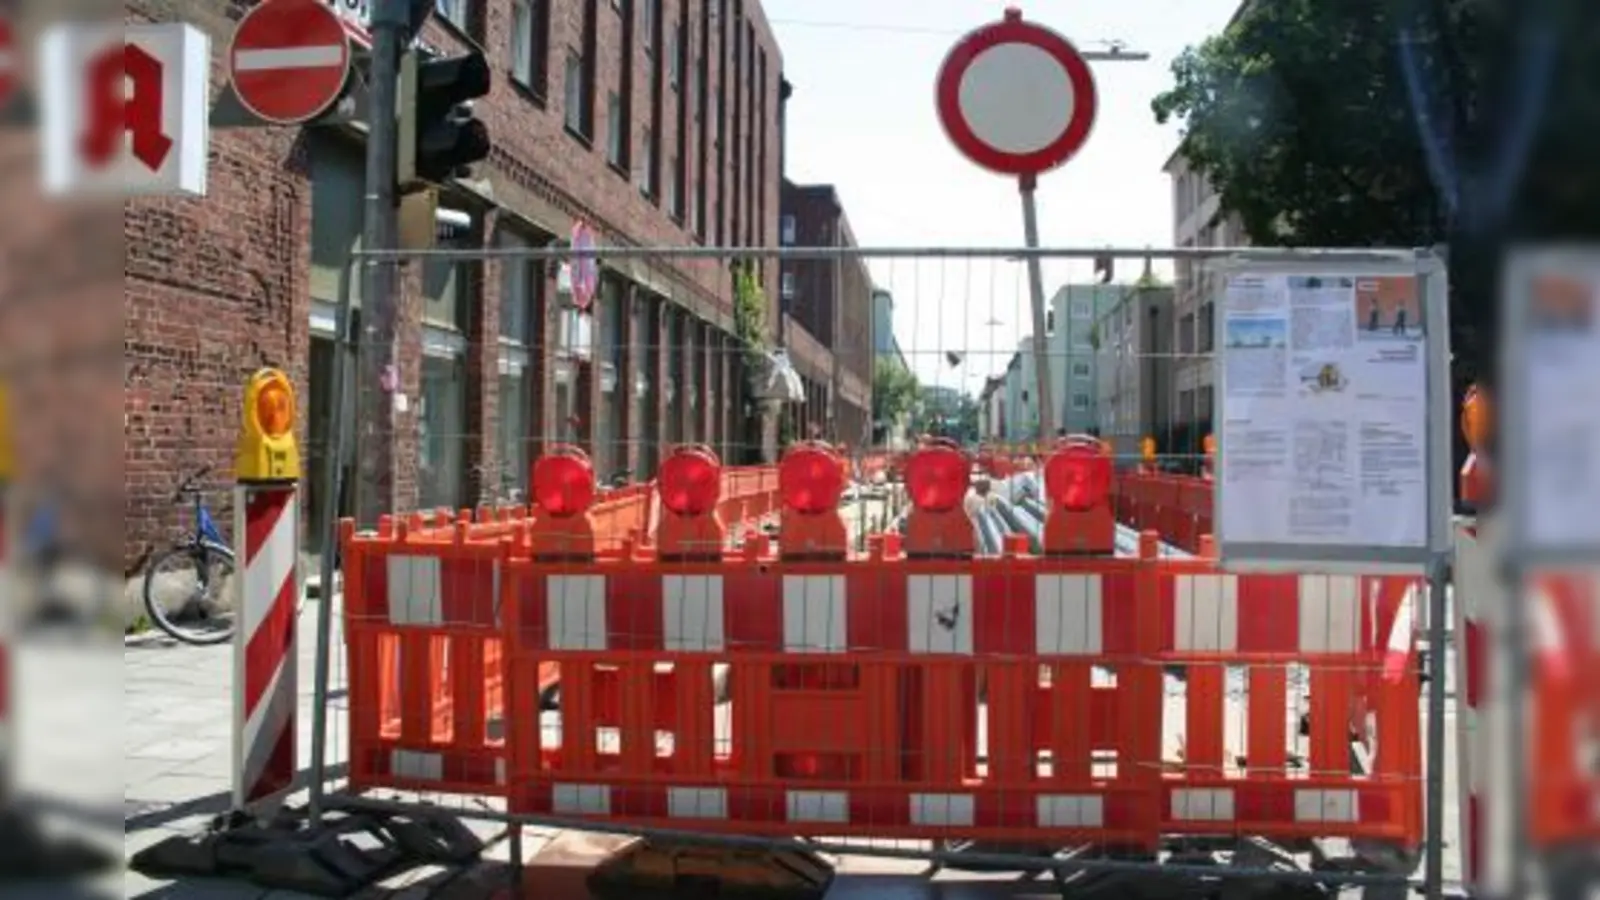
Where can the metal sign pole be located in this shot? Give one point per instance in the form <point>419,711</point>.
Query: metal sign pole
<point>1041,342</point>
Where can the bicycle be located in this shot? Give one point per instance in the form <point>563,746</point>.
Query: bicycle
<point>204,617</point>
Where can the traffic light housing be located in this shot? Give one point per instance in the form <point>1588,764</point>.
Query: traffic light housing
<point>439,136</point>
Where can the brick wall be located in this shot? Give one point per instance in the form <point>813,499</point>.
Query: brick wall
<point>216,287</point>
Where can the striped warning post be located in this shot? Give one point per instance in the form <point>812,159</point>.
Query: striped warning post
<point>264,646</point>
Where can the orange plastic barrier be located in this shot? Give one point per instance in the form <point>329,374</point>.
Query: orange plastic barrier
<point>1177,506</point>
<point>896,694</point>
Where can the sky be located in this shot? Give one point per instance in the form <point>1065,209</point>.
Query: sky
<point>862,117</point>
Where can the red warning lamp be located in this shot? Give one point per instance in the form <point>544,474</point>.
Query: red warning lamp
<point>811,480</point>
<point>563,482</point>
<point>690,481</point>
<point>1078,476</point>
<point>937,476</point>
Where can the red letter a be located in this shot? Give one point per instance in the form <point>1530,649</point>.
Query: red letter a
<point>111,109</point>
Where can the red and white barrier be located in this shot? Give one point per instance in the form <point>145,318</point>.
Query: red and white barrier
<point>264,649</point>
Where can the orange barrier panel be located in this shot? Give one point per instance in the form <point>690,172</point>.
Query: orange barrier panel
<point>854,693</point>
<point>1177,506</point>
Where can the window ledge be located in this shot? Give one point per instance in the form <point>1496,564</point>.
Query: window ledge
<point>621,169</point>
<point>580,137</point>
<point>527,91</point>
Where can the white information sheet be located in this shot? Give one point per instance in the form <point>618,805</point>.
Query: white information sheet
<point>1323,379</point>
<point>1560,308</point>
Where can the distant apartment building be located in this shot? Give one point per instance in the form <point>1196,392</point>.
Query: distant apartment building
<point>892,434</point>
<point>1133,371</point>
<point>1195,224</point>
<point>992,408</point>
<point>1070,322</point>
<point>831,300</point>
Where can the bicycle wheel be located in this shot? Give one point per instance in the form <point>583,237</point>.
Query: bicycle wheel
<point>186,593</point>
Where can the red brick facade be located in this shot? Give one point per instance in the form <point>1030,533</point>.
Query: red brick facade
<point>216,287</point>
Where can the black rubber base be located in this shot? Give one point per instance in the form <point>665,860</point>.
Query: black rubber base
<point>348,852</point>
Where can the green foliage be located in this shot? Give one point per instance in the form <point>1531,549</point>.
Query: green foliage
<point>749,308</point>
<point>1299,114</point>
<point>894,390</point>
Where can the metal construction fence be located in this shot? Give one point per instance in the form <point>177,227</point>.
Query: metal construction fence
<point>914,626</point>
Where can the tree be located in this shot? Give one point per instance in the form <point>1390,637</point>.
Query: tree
<point>894,390</point>
<point>1301,115</point>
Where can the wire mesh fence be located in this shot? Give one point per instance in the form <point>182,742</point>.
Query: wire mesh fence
<point>499,654</point>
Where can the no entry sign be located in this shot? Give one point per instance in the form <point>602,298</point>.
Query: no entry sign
<point>8,63</point>
<point>1015,97</point>
<point>289,60</point>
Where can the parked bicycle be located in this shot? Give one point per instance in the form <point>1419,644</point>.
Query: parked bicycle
<point>186,587</point>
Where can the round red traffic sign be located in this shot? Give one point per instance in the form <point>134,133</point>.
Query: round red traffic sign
<point>289,60</point>
<point>1015,97</point>
<point>585,267</point>
<point>8,64</point>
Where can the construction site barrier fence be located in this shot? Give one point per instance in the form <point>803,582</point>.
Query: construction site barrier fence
<point>1018,698</point>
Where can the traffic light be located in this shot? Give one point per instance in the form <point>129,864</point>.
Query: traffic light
<point>439,137</point>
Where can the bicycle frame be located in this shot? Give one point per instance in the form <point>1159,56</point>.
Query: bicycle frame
<point>205,527</point>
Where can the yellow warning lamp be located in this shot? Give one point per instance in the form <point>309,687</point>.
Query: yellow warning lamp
<point>267,451</point>
<point>7,458</point>
<point>1476,418</point>
<point>1209,444</point>
<point>1147,449</point>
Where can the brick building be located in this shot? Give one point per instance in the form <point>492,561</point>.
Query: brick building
<point>657,121</point>
<point>832,301</point>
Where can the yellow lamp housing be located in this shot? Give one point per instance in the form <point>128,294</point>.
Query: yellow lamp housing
<point>1209,444</point>
<point>267,451</point>
<point>8,459</point>
<point>1147,449</point>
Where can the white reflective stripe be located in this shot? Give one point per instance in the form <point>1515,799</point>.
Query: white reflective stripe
<point>691,613</point>
<point>818,806</point>
<point>939,614</point>
<point>500,771</point>
<point>814,610</point>
<point>270,59</point>
<point>1071,811</point>
<point>416,764</point>
<point>697,803</point>
<point>415,590</point>
<point>1330,613</point>
<point>1404,627</point>
<point>1207,613</point>
<point>1067,615</point>
<point>576,610</point>
<point>273,564</point>
<point>581,799</point>
<point>1326,805</point>
<point>1202,804</point>
<point>942,809</point>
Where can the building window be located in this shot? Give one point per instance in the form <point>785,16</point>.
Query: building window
<point>786,282</point>
<point>440,419</point>
<point>1049,321</point>
<point>786,230</point>
<point>674,181</point>
<point>647,168</point>
<point>1080,402</point>
<point>575,92</point>
<point>1081,370</point>
<point>674,66</point>
<point>530,29</point>
<point>453,11</point>
<point>1186,334</point>
<point>616,138</point>
<point>1082,309</point>
<point>1206,338</point>
<point>443,284</point>
<point>652,11</point>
